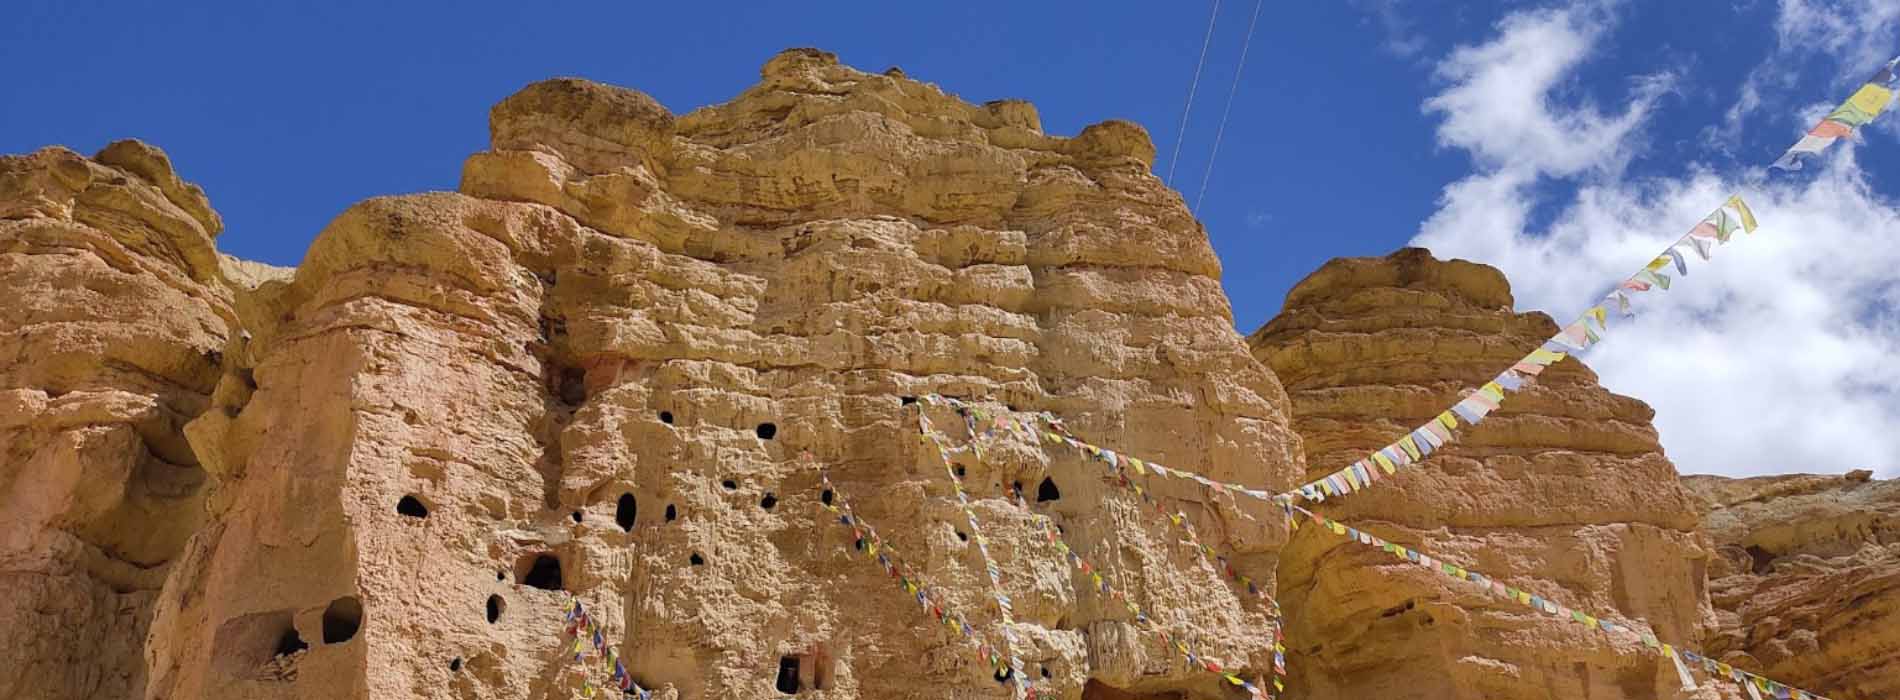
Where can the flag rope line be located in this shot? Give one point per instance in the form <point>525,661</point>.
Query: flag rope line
<point>579,620</point>
<point>1004,608</point>
<point>1192,87</point>
<point>1860,108</point>
<point>1142,466</point>
<point>871,543</point>
<point>1059,433</point>
<point>1231,90</point>
<point>1106,588</point>
<point>1752,682</point>
<point>1643,631</point>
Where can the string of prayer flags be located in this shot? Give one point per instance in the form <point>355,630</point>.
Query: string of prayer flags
<point>1056,432</point>
<point>1115,464</point>
<point>586,631</point>
<point>1014,425</point>
<point>1141,617</point>
<point>1578,335</point>
<point>1861,107</point>
<point>875,548</point>
<point>1683,659</point>
<point>1003,606</point>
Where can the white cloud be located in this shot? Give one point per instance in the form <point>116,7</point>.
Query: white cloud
<point>1771,358</point>
<point>1499,103</point>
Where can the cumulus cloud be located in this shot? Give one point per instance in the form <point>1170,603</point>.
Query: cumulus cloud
<point>1772,357</point>
<point>1500,106</point>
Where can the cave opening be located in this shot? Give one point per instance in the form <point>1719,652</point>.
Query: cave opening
<point>495,607</point>
<point>624,512</point>
<point>544,573</point>
<point>412,507</point>
<point>1760,561</point>
<point>1047,491</point>
<point>788,675</point>
<point>290,643</point>
<point>342,619</point>
<point>769,501</point>
<point>766,431</point>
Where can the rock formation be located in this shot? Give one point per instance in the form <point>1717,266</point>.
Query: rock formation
<point>1806,580</point>
<point>114,333</point>
<point>591,371</point>
<point>1565,491</point>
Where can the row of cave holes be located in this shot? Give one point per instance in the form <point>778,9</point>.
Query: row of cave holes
<point>625,509</point>
<point>765,431</point>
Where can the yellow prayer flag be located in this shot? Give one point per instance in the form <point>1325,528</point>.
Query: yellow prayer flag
<point>1748,217</point>
<point>1339,528</point>
<point>1384,462</point>
<point>1601,317</point>
<point>1871,99</point>
<point>1448,420</point>
<point>1410,445</point>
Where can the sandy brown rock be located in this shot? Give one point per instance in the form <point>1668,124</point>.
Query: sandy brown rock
<point>113,335</point>
<point>1565,491</point>
<point>1807,581</point>
<point>608,349</point>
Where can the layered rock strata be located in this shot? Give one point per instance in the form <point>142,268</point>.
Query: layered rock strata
<point>115,330</point>
<point>1806,581</point>
<point>1564,492</point>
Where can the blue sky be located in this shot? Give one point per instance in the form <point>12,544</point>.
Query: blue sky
<point>1564,142</point>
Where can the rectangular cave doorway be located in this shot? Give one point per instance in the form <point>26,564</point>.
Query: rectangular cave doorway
<point>798,672</point>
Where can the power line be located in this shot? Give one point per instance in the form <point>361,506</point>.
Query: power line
<point>1227,110</point>
<point>1192,87</point>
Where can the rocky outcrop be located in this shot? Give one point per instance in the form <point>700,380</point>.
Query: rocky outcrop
<point>592,370</point>
<point>113,335</point>
<point>1807,578</point>
<point>1564,491</point>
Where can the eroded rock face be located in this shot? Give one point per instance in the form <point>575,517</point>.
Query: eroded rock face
<point>1564,491</point>
<point>592,370</point>
<point>1807,578</point>
<point>113,334</point>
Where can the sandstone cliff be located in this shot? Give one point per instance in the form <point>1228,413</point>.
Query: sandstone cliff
<point>1564,491</point>
<point>1807,581</point>
<point>591,370</point>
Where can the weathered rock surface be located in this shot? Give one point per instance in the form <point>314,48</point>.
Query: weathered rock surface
<point>1807,578</point>
<point>1565,491</point>
<point>592,370</point>
<point>113,334</point>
